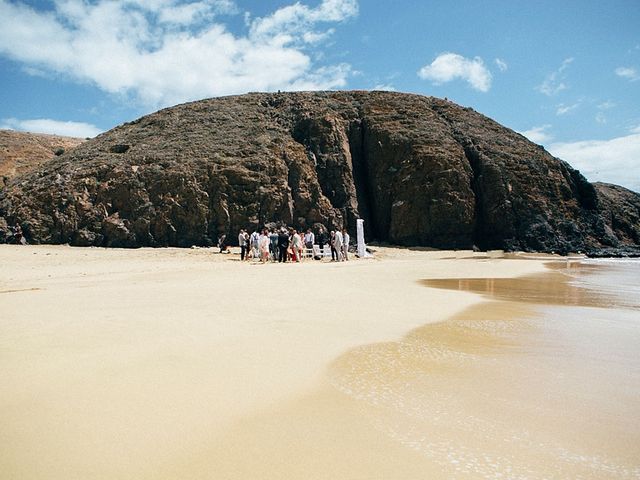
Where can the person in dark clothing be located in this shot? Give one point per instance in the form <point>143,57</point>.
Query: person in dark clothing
<point>247,247</point>
<point>273,244</point>
<point>283,245</point>
<point>321,239</point>
<point>332,244</point>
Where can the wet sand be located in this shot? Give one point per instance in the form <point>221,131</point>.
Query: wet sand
<point>512,388</point>
<point>187,364</point>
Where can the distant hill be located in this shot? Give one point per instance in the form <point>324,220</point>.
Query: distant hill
<point>22,152</point>
<point>421,171</point>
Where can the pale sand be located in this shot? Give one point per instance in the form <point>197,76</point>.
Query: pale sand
<point>172,363</point>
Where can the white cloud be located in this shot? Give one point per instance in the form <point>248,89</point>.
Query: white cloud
<point>162,52</point>
<point>317,37</point>
<point>538,134</point>
<point>613,161</point>
<point>635,129</point>
<point>185,14</point>
<point>53,127</point>
<point>451,66</point>
<point>555,81</point>
<point>296,19</point>
<point>601,118</point>
<point>385,86</point>
<point>629,73</point>
<point>563,109</point>
<point>502,65</point>
<point>606,105</point>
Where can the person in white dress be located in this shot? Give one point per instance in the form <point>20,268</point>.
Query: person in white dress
<point>263,245</point>
<point>254,241</point>
<point>296,246</point>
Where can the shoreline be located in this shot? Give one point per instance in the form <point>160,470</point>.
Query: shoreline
<point>478,405</point>
<point>144,350</point>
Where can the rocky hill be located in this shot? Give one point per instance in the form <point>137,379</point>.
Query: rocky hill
<point>421,171</point>
<point>22,152</point>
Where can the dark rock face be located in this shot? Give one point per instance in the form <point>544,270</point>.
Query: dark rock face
<point>619,228</point>
<point>419,170</point>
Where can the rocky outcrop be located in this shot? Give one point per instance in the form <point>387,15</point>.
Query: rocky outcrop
<point>619,209</point>
<point>22,152</point>
<point>419,170</point>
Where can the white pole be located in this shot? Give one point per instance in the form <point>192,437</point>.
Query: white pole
<point>362,248</point>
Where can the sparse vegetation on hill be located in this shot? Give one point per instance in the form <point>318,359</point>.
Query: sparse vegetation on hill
<point>419,170</point>
<point>22,152</point>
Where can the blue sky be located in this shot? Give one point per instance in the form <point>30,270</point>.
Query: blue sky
<point>564,73</point>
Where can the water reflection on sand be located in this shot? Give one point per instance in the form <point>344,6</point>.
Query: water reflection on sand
<point>543,381</point>
<point>540,382</point>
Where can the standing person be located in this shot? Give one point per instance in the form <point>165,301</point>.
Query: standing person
<point>273,241</point>
<point>296,245</point>
<point>255,249</point>
<point>345,244</point>
<point>338,245</point>
<point>321,242</point>
<point>332,245</point>
<point>309,239</point>
<point>247,246</point>
<point>283,245</point>
<point>242,243</point>
<point>301,246</point>
<point>263,245</point>
<point>322,239</point>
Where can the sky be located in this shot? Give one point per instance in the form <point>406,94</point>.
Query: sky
<point>566,74</point>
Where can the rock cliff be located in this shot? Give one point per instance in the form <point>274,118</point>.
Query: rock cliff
<point>421,171</point>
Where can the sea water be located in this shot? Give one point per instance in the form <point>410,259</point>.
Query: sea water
<point>542,381</point>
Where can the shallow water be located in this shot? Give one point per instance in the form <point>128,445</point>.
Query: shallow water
<point>617,280</point>
<point>541,382</point>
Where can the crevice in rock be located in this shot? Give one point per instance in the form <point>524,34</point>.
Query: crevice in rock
<point>482,237</point>
<point>362,182</point>
<point>473,158</point>
<point>326,142</point>
<point>302,133</point>
<point>585,191</point>
<point>479,234</point>
<point>333,160</point>
<point>284,211</point>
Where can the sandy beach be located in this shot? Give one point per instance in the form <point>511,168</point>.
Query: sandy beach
<point>185,363</point>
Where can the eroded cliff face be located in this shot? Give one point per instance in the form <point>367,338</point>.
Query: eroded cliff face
<point>419,170</point>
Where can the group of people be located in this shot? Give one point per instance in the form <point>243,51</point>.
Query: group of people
<point>287,244</point>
